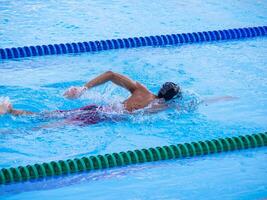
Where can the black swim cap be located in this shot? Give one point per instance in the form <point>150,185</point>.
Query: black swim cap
<point>169,90</point>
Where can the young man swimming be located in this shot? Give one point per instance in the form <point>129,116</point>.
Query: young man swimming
<point>140,98</point>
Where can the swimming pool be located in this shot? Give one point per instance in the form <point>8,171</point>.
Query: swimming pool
<point>235,68</point>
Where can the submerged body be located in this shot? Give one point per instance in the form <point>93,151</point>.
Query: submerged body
<point>93,114</point>
<point>90,114</point>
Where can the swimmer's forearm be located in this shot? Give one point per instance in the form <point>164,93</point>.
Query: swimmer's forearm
<point>75,92</point>
<point>116,78</point>
<point>218,99</point>
<point>99,80</point>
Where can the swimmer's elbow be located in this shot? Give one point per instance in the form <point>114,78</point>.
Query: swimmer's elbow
<point>109,73</point>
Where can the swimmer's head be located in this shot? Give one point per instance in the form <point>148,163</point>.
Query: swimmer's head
<point>169,90</point>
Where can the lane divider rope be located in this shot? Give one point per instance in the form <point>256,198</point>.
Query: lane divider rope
<point>158,40</point>
<point>91,163</point>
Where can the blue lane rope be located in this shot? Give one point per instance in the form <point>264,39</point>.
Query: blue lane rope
<point>158,40</point>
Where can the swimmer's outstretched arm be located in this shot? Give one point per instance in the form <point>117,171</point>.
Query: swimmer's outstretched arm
<point>218,99</point>
<point>118,79</point>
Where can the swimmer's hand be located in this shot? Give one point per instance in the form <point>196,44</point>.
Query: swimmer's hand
<point>218,99</point>
<point>74,92</point>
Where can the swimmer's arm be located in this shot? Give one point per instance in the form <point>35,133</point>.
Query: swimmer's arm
<point>218,99</point>
<point>156,108</point>
<point>116,78</point>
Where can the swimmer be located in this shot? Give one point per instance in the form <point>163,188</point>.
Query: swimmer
<point>140,98</point>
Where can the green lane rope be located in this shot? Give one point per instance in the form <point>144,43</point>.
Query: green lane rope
<point>70,166</point>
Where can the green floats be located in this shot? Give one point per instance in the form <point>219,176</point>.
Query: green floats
<point>71,166</point>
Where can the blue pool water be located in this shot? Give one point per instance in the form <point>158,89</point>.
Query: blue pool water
<point>235,68</point>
